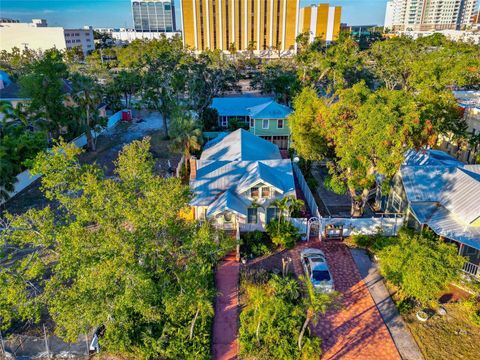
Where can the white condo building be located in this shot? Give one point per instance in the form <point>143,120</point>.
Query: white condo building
<point>431,14</point>
<point>37,35</point>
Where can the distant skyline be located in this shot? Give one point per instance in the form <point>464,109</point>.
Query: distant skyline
<point>117,13</point>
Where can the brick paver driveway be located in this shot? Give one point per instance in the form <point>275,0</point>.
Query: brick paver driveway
<point>225,322</point>
<point>356,329</point>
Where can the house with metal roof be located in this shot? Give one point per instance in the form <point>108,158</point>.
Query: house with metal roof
<point>237,179</point>
<point>437,191</point>
<point>262,116</point>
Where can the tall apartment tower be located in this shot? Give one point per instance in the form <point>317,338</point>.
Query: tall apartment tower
<point>320,21</point>
<point>432,14</point>
<point>247,24</point>
<point>255,24</point>
<point>153,15</point>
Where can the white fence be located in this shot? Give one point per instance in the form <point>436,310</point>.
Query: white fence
<point>24,179</point>
<point>310,199</point>
<point>387,224</point>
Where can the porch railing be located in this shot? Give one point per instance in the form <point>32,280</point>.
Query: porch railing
<point>471,269</point>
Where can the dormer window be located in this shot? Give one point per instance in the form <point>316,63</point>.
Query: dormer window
<point>254,192</point>
<point>265,192</point>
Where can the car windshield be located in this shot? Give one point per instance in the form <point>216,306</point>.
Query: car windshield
<point>321,275</point>
<point>318,259</point>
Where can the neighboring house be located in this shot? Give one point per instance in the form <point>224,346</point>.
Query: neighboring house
<point>469,102</point>
<point>437,191</point>
<point>236,180</point>
<point>263,117</point>
<point>10,92</point>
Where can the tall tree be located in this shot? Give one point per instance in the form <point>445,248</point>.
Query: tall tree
<point>187,136</point>
<point>210,75</point>
<point>366,133</point>
<point>115,253</point>
<point>278,78</point>
<point>45,86</point>
<point>127,83</point>
<point>88,95</point>
<point>164,79</point>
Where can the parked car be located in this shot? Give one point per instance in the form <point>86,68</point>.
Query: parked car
<point>316,269</point>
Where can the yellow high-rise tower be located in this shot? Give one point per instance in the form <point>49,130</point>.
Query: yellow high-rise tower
<point>257,25</point>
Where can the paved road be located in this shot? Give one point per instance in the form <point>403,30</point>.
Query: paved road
<point>406,345</point>
<point>225,322</point>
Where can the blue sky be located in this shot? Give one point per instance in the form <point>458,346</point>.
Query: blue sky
<point>117,13</point>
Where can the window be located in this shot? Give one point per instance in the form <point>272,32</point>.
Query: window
<point>252,217</point>
<point>396,202</point>
<point>271,214</point>
<point>254,192</point>
<point>280,124</point>
<point>224,121</point>
<point>227,217</point>
<point>265,192</point>
<point>252,122</point>
<point>265,124</point>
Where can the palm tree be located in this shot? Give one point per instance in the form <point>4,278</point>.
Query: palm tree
<point>315,304</point>
<point>88,96</point>
<point>187,136</point>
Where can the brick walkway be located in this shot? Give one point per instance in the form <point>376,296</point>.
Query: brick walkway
<point>225,323</point>
<point>356,329</point>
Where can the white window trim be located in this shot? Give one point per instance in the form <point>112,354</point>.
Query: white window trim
<point>283,123</point>
<point>263,124</point>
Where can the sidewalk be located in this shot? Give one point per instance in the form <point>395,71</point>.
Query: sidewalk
<point>406,345</point>
<point>225,322</point>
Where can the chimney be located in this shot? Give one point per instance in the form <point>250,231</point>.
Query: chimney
<point>193,168</point>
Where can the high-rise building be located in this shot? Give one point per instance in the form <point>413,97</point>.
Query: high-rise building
<point>388,23</point>
<point>153,15</point>
<point>320,21</point>
<point>432,14</point>
<point>257,25</point>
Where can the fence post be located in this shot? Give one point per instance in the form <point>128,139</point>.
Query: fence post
<point>46,342</point>
<point>2,345</point>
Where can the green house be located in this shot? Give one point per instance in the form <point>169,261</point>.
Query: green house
<point>263,117</point>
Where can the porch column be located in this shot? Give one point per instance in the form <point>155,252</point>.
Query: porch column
<point>460,249</point>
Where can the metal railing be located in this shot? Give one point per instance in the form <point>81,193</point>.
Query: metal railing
<point>471,269</point>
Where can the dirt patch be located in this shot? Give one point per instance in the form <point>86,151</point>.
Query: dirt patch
<point>109,144</point>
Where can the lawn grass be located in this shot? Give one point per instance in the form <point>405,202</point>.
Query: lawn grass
<point>447,337</point>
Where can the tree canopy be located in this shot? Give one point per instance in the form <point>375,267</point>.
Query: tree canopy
<point>114,253</point>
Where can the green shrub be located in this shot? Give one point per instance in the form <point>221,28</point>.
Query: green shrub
<point>472,307</point>
<point>255,243</point>
<point>374,243</point>
<point>420,266</point>
<point>283,233</point>
<point>271,320</point>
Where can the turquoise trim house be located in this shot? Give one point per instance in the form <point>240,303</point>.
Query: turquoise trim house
<point>263,117</point>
